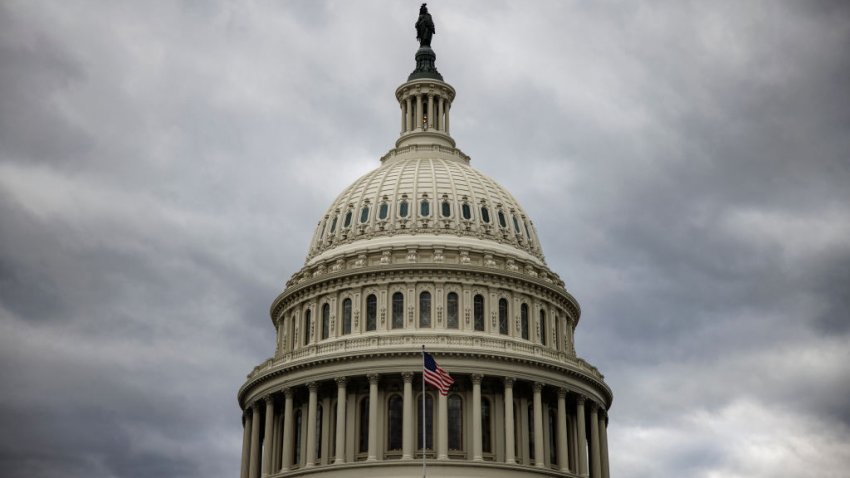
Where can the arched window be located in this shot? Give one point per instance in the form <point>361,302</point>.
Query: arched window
<point>398,310</point>
<point>523,320</point>
<point>296,447</point>
<point>466,211</point>
<point>364,214</point>
<point>383,211</point>
<point>403,208</point>
<point>424,208</point>
<point>485,214</point>
<point>455,409</point>
<point>371,312</point>
<point>425,309</point>
<point>543,327</point>
<point>346,316</point>
<point>394,425</point>
<point>553,436</point>
<point>446,208</point>
<point>451,311</point>
<point>363,435</point>
<point>429,422</point>
<point>319,416</point>
<point>308,326</point>
<point>503,316</point>
<point>478,311</point>
<point>486,427</point>
<point>326,321</point>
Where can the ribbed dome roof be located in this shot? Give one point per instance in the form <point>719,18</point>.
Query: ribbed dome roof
<point>420,192</point>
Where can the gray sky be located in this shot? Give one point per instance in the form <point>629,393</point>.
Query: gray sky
<point>163,165</point>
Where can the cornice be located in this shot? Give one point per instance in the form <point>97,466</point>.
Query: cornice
<point>580,369</point>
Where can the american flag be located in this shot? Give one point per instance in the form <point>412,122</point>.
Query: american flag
<point>435,375</point>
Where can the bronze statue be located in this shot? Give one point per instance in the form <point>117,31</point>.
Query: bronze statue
<point>424,26</point>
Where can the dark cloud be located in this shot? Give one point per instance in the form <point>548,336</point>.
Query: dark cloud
<point>162,167</point>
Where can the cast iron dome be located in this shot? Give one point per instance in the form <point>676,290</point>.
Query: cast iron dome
<point>425,251</point>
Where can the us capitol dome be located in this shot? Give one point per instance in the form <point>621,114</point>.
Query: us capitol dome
<point>425,251</point>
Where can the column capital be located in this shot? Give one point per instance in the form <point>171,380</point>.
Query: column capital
<point>509,382</point>
<point>341,381</point>
<point>476,378</point>
<point>313,386</point>
<point>255,405</point>
<point>287,392</point>
<point>268,398</point>
<point>407,377</point>
<point>580,398</point>
<point>373,378</point>
<point>562,392</point>
<point>538,386</point>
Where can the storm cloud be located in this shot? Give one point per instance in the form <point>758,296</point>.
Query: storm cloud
<point>163,165</point>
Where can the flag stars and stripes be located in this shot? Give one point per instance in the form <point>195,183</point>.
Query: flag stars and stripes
<point>435,375</point>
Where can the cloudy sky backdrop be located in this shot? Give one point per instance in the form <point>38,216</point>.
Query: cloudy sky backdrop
<point>163,165</point>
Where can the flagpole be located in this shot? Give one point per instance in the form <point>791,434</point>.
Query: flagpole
<point>424,472</point>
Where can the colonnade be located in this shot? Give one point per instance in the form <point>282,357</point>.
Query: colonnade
<point>424,111</point>
<point>270,443</point>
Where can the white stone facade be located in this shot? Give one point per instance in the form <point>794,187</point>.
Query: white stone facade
<point>425,250</point>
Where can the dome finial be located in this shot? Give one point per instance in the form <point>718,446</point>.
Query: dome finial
<point>425,56</point>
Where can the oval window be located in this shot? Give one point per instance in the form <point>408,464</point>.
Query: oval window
<point>466,211</point>
<point>364,214</point>
<point>383,211</point>
<point>485,214</point>
<point>502,221</point>
<point>333,224</point>
<point>402,209</point>
<point>347,221</point>
<point>516,224</point>
<point>446,209</point>
<point>424,208</point>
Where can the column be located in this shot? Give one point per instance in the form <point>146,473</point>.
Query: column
<point>373,417</point>
<point>581,429</point>
<point>563,462</point>
<point>595,458</point>
<point>408,419</point>
<point>441,124</point>
<point>341,394</point>
<point>311,425</point>
<point>448,110</point>
<point>409,113</point>
<point>573,443</point>
<point>288,429</point>
<point>254,465</point>
<point>268,435</point>
<point>403,116</point>
<point>539,457</point>
<point>476,417</point>
<point>419,112</point>
<point>246,444</point>
<point>430,111</point>
<point>442,427</point>
<point>509,421</point>
<point>603,445</point>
